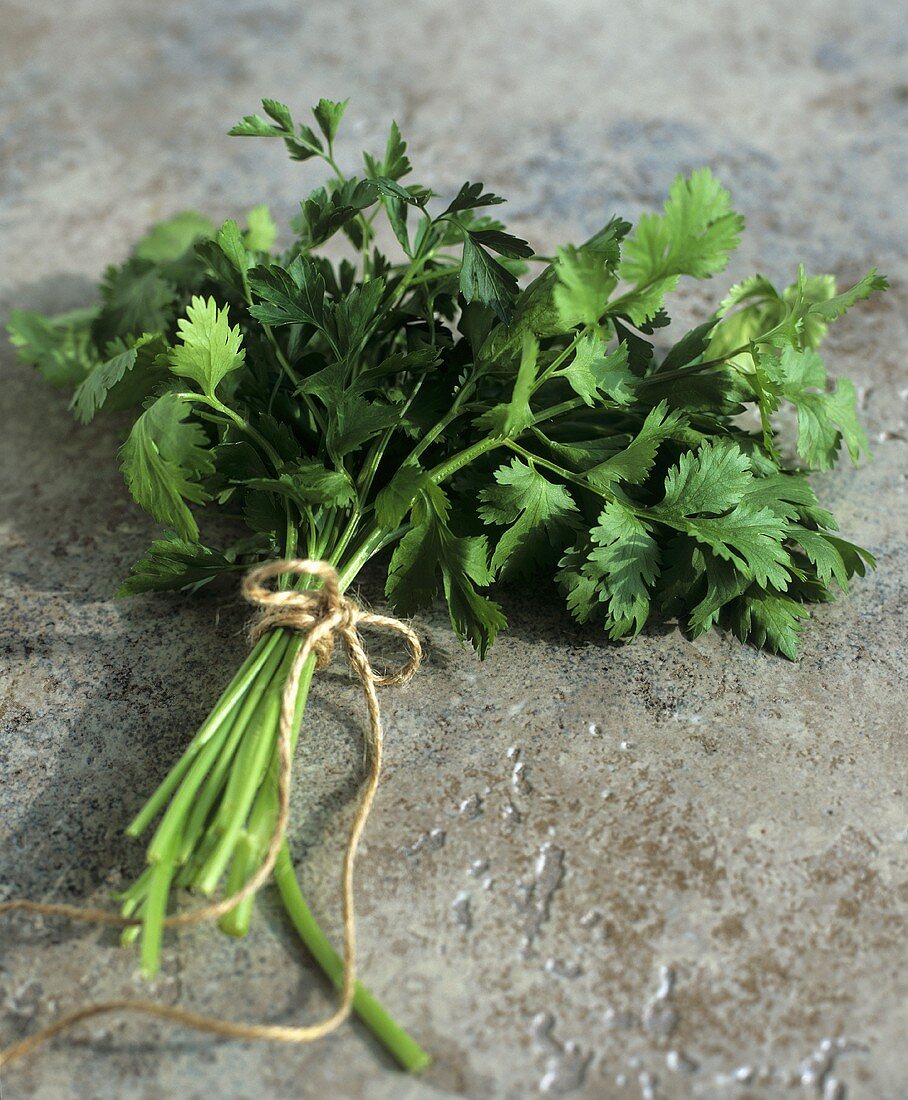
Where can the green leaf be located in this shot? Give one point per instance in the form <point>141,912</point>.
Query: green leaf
<point>822,554</point>
<point>323,213</point>
<point>710,480</point>
<point>292,295</point>
<point>509,420</point>
<point>724,583</point>
<point>168,240</point>
<point>354,421</point>
<point>829,309</point>
<point>505,244</point>
<point>231,243</point>
<point>328,114</point>
<point>430,548</point>
<point>750,538</point>
<point>256,126</point>
<point>355,313</point>
<point>60,348</point>
<point>539,514</point>
<point>164,460</point>
<point>474,617</point>
<point>261,232</point>
<point>824,419</point>
<point>135,298</point>
<point>586,279</point>
<point>280,112</point>
<point>210,348</point>
<point>770,620</point>
<point>396,498</point>
<point>694,236</point>
<point>689,348</point>
<point>396,163</point>
<point>625,565</point>
<point>632,464</point>
<point>308,482</point>
<point>592,372</point>
<point>484,279</point>
<point>172,563</point>
<point>787,495</point>
<point>470,197</point>
<point>124,379</point>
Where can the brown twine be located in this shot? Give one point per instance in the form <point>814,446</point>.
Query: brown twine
<point>322,615</point>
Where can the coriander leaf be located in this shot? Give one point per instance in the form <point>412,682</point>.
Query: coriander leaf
<point>830,308</point>
<point>634,462</point>
<point>163,459</point>
<point>134,299</point>
<point>60,348</point>
<point>328,114</point>
<point>396,163</point>
<point>750,538</point>
<point>625,564</point>
<point>470,197</point>
<point>172,563</point>
<point>231,243</point>
<point>824,419</point>
<point>511,419</point>
<point>256,126</point>
<point>127,377</point>
<point>324,213</point>
<point>464,565</point>
<point>505,244</point>
<point>694,236</point>
<point>355,313</point>
<point>354,421</point>
<point>308,482</point>
<point>710,480</point>
<point>821,553</point>
<point>592,373</point>
<point>578,583</point>
<point>769,620</point>
<point>484,279</point>
<point>292,295</point>
<point>396,498</point>
<point>586,278</point>
<point>261,232</point>
<point>856,558</point>
<point>210,348</point>
<point>689,348</point>
<point>168,240</point>
<point>786,495</point>
<point>430,546</point>
<point>539,515</point>
<point>300,145</point>
<point>724,583</point>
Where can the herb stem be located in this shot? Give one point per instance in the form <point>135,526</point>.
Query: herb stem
<point>402,1046</point>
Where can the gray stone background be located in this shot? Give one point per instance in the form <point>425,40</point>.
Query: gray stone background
<point>696,816</point>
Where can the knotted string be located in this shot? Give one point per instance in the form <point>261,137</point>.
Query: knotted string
<point>323,615</point>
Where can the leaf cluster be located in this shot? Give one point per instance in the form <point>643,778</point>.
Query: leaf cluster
<point>420,395</point>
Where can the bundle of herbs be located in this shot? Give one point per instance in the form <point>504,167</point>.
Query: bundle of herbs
<point>473,429</point>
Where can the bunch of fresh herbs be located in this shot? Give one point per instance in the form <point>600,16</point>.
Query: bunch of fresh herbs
<point>477,429</point>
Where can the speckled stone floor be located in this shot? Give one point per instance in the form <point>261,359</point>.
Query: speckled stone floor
<point>666,870</point>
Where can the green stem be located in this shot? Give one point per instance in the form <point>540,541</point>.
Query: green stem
<point>408,1053</point>
<point>231,695</point>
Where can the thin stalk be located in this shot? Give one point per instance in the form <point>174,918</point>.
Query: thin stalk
<point>229,697</point>
<point>402,1046</point>
<point>155,910</point>
<point>165,843</point>
<point>249,771</point>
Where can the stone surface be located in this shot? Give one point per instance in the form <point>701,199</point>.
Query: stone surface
<point>702,891</point>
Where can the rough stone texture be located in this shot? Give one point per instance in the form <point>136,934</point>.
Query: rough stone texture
<point>708,852</point>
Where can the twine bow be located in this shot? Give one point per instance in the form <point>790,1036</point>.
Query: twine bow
<point>323,615</point>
